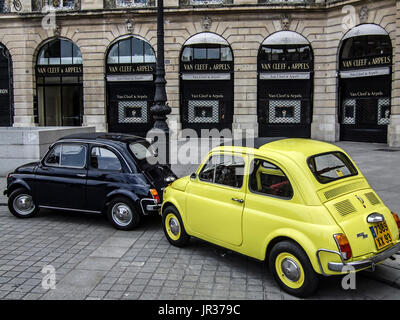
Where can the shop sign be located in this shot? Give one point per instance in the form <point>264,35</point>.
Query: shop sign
<point>207,96</point>
<point>206,67</point>
<point>285,66</point>
<point>59,70</point>
<point>365,73</point>
<point>285,76</point>
<point>131,68</point>
<point>129,77</point>
<point>132,96</point>
<point>366,62</point>
<point>206,76</point>
<point>285,96</point>
<point>363,94</point>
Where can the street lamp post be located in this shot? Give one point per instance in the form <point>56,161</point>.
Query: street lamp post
<point>160,109</point>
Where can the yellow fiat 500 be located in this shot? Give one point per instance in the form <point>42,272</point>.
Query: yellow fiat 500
<point>301,205</point>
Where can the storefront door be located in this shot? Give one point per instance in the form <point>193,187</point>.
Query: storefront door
<point>207,105</point>
<point>6,96</point>
<point>285,86</point>
<point>130,70</point>
<point>206,83</point>
<point>128,107</point>
<point>59,85</point>
<point>365,84</point>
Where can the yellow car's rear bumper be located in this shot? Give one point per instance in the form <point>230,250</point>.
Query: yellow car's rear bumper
<point>343,267</point>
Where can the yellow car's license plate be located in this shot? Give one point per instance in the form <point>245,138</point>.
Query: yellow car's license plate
<point>382,235</point>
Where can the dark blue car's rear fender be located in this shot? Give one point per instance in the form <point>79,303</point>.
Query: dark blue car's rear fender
<point>124,193</point>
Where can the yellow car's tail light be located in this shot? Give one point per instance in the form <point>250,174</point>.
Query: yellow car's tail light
<point>344,245</point>
<point>397,219</point>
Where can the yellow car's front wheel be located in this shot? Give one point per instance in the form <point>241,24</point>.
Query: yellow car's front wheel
<point>173,227</point>
<point>292,269</point>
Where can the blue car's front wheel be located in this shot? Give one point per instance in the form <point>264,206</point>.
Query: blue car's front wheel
<point>21,204</point>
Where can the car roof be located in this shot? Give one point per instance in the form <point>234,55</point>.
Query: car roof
<point>104,137</point>
<point>295,148</point>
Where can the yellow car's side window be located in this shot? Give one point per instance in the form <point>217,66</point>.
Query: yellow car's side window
<point>268,179</point>
<point>224,169</point>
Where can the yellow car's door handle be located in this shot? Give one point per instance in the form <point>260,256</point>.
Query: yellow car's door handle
<point>238,200</point>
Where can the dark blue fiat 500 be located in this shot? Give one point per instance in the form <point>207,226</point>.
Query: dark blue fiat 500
<point>94,173</point>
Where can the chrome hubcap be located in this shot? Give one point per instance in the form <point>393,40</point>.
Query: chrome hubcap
<point>174,226</point>
<point>23,204</point>
<point>290,269</point>
<point>122,214</point>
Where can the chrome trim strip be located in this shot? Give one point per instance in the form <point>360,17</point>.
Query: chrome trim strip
<point>371,262</point>
<point>155,207</point>
<point>147,199</point>
<point>319,259</point>
<point>69,209</point>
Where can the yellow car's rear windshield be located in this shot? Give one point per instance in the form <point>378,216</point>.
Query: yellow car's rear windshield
<point>332,166</point>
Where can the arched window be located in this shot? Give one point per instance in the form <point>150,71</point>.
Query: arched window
<point>59,86</point>
<point>131,50</point>
<point>206,81</point>
<point>206,46</point>
<point>59,51</point>
<point>130,69</point>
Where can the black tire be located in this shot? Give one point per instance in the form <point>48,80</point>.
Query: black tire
<point>173,227</point>
<point>299,278</point>
<point>21,204</point>
<point>122,214</point>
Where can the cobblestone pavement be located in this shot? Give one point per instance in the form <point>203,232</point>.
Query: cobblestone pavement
<point>94,261</point>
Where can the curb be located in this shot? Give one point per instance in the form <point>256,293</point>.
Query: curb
<point>380,278</point>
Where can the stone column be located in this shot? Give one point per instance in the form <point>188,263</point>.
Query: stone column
<point>325,125</point>
<point>17,42</point>
<point>93,81</point>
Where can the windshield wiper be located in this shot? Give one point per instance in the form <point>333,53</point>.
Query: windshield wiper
<point>329,169</point>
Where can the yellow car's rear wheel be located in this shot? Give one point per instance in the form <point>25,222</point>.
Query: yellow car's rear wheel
<point>173,227</point>
<point>292,269</point>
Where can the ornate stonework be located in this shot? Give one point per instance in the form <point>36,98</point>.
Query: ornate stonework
<point>285,21</point>
<point>206,23</point>
<point>363,14</point>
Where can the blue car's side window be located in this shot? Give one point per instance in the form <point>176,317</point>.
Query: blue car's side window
<point>67,155</point>
<point>73,156</point>
<point>104,159</point>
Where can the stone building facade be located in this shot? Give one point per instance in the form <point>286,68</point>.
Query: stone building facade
<point>315,30</point>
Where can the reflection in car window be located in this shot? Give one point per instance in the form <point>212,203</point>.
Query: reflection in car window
<point>142,150</point>
<point>266,178</point>
<point>73,156</point>
<point>225,169</point>
<point>332,166</point>
<point>104,159</point>
<point>67,155</point>
<point>53,159</point>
